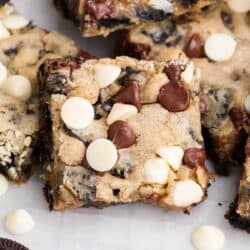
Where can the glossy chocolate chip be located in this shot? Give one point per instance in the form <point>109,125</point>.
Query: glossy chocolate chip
<point>238,117</point>
<point>173,71</point>
<point>194,47</point>
<point>99,9</point>
<point>247,148</point>
<point>174,97</point>
<point>121,134</point>
<point>194,157</point>
<point>129,94</point>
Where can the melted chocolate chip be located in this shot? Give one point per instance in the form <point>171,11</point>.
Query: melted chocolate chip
<point>238,117</point>
<point>173,71</point>
<point>174,97</point>
<point>194,157</point>
<point>121,134</point>
<point>129,94</point>
<point>99,9</point>
<point>194,47</point>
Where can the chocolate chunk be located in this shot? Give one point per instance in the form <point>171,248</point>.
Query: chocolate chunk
<point>247,148</point>
<point>6,244</point>
<point>238,117</point>
<point>174,97</point>
<point>194,47</point>
<point>121,134</point>
<point>173,71</point>
<point>129,94</point>
<point>194,157</point>
<point>99,9</point>
<point>57,84</point>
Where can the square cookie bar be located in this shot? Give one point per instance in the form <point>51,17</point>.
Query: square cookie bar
<point>218,42</point>
<point>23,47</point>
<point>101,17</point>
<point>239,212</point>
<point>122,130</point>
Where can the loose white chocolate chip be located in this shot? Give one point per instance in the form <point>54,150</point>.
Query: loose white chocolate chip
<point>164,5</point>
<point>188,74</point>
<point>208,238</point>
<point>3,74</point>
<point>241,6</point>
<point>4,33</point>
<point>3,185</point>
<point>17,86</point>
<point>247,104</point>
<point>220,47</point>
<point>121,111</point>
<point>101,155</point>
<point>18,222</point>
<point>173,155</point>
<point>77,113</point>
<point>15,22</point>
<point>155,171</point>
<point>106,74</point>
<point>186,193</point>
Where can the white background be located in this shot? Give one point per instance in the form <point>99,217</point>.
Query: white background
<point>124,227</point>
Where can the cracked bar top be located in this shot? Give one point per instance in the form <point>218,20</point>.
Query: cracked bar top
<point>101,17</point>
<point>218,42</point>
<point>23,47</point>
<point>122,130</point>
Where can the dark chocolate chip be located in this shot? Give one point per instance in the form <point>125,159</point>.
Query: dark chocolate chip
<point>173,71</point>
<point>194,157</point>
<point>116,192</point>
<point>238,117</point>
<point>11,51</point>
<point>6,244</point>
<point>151,14</point>
<point>174,97</point>
<point>194,47</point>
<point>187,3</point>
<point>121,134</point>
<point>99,9</point>
<point>129,94</point>
<point>57,84</point>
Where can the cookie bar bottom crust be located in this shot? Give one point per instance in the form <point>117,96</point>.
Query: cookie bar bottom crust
<point>235,219</point>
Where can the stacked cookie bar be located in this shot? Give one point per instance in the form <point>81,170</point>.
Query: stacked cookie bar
<point>122,130</point>
<point>101,17</point>
<point>23,47</point>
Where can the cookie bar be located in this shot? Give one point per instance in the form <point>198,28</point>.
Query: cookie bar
<point>122,130</point>
<point>23,47</point>
<point>239,212</point>
<point>101,17</point>
<point>218,42</point>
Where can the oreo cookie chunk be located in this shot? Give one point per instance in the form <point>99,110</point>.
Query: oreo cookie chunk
<point>123,131</point>
<point>218,43</point>
<point>101,17</point>
<point>23,47</point>
<point>6,244</point>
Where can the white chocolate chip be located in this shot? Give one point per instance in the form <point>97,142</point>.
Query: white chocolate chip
<point>18,86</point>
<point>102,155</point>
<point>4,33</point>
<point>3,74</point>
<point>3,185</point>
<point>241,6</point>
<point>121,111</point>
<point>164,5</point>
<point>77,113</point>
<point>18,222</point>
<point>106,74</point>
<point>186,193</point>
<point>247,104</point>
<point>208,237</point>
<point>173,155</point>
<point>15,22</point>
<point>220,47</point>
<point>188,74</point>
<point>155,171</point>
